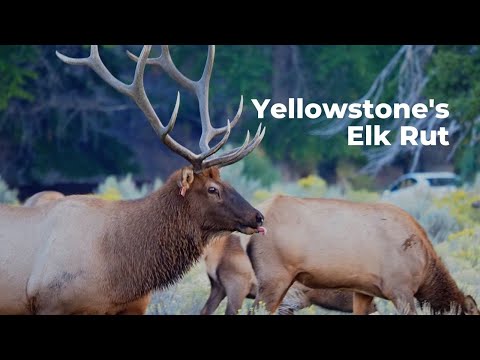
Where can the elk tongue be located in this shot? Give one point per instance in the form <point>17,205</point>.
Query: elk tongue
<point>262,230</point>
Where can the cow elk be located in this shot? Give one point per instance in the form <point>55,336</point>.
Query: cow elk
<point>231,275</point>
<point>375,250</point>
<point>84,255</point>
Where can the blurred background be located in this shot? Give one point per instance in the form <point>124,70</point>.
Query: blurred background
<point>62,128</point>
<point>61,125</point>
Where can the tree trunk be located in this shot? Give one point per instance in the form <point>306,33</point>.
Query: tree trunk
<point>281,73</point>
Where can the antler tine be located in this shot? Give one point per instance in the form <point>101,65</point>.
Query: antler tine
<point>165,62</point>
<point>173,118</point>
<point>224,161</point>
<point>242,153</point>
<point>96,64</point>
<point>219,131</point>
<point>217,147</point>
<point>136,91</point>
<point>239,153</point>
<point>201,90</point>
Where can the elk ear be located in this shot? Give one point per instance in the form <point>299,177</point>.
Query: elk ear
<point>470,306</point>
<point>214,173</point>
<point>186,179</point>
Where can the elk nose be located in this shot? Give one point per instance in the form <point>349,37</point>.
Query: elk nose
<point>259,217</point>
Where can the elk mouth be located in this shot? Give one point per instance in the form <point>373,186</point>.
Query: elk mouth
<point>248,230</point>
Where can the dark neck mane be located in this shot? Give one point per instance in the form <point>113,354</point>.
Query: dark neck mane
<point>152,244</point>
<point>440,291</point>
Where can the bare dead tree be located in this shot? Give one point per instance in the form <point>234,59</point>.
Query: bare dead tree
<point>408,68</point>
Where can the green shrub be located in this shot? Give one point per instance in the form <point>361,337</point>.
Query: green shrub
<point>438,223</point>
<point>415,202</point>
<point>252,172</point>
<point>113,188</point>
<point>7,195</point>
<point>257,166</point>
<point>235,175</point>
<point>185,297</point>
<point>348,174</point>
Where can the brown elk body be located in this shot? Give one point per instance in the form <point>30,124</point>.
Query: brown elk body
<point>375,250</point>
<point>83,255</point>
<point>135,308</point>
<point>231,275</point>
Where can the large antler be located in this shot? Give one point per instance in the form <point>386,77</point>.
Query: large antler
<point>200,88</point>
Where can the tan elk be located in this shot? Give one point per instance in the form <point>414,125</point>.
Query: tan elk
<point>43,197</point>
<point>231,275</point>
<point>84,255</point>
<point>374,249</point>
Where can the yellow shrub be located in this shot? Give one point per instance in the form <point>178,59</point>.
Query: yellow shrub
<point>465,233</point>
<point>111,194</point>
<point>459,203</point>
<point>465,245</point>
<point>261,195</point>
<point>314,184</point>
<point>362,196</point>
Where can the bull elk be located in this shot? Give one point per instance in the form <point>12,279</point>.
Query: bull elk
<point>231,275</point>
<point>375,250</point>
<point>83,255</point>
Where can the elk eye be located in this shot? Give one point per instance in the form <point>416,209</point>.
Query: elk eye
<point>212,190</point>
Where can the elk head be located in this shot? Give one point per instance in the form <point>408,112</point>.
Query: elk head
<point>218,205</point>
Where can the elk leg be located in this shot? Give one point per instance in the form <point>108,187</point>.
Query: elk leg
<point>294,300</point>
<point>271,293</point>
<point>361,303</point>
<point>286,310</point>
<point>404,303</point>
<point>217,294</point>
<point>237,290</point>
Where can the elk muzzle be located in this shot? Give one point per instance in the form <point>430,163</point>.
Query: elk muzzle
<point>255,226</point>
